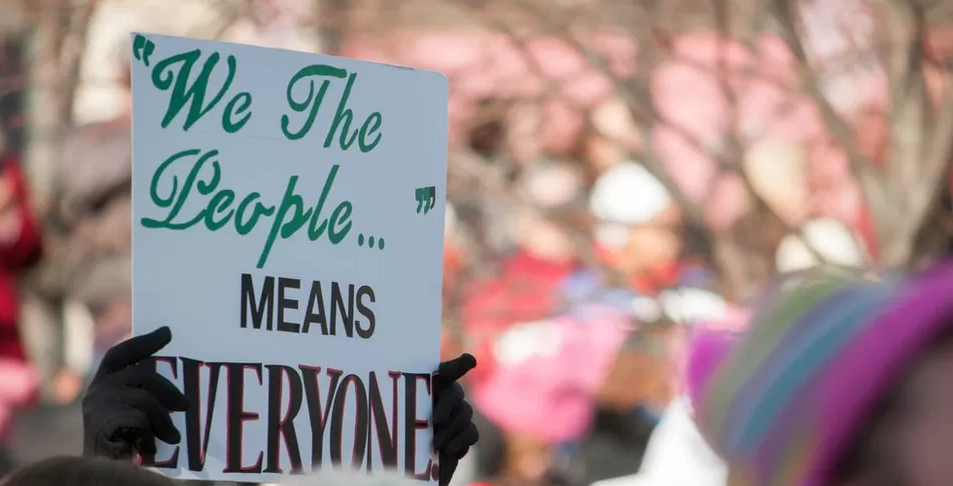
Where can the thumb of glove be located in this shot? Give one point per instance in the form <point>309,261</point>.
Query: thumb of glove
<point>453,370</point>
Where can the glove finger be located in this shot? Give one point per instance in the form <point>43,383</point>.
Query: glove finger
<point>445,471</point>
<point>159,420</point>
<point>458,423</point>
<point>144,442</point>
<point>446,402</point>
<point>116,438</point>
<point>456,368</point>
<point>158,386</point>
<point>459,445</point>
<point>134,350</point>
<point>132,430</point>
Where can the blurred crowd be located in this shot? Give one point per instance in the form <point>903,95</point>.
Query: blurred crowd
<point>571,271</point>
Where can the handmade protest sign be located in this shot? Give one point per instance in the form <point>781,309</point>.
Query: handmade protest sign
<point>279,231</point>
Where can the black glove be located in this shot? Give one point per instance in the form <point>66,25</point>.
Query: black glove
<point>453,428</point>
<point>127,405</point>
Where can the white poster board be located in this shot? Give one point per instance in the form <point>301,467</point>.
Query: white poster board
<point>288,226</point>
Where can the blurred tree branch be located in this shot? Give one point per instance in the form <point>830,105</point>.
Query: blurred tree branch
<point>59,44</point>
<point>645,24</point>
<point>901,197</point>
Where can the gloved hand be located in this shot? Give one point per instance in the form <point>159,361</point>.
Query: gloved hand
<point>453,428</point>
<point>127,405</point>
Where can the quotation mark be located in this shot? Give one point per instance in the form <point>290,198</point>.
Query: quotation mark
<point>426,198</point>
<point>142,48</point>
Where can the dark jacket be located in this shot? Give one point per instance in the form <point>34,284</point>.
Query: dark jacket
<point>95,179</point>
<point>616,444</point>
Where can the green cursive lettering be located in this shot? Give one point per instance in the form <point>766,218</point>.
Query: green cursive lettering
<point>244,227</point>
<point>346,116</point>
<point>368,136</point>
<point>174,72</point>
<point>312,101</point>
<point>289,217</point>
<point>176,199</point>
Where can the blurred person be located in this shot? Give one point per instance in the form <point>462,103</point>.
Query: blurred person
<point>126,408</point>
<point>84,471</point>
<point>488,455</point>
<point>525,291</point>
<point>640,404</point>
<point>95,181</point>
<point>20,248</point>
<point>639,228</point>
<point>13,69</point>
<point>629,404</point>
<point>841,380</point>
<point>526,287</point>
<point>676,453</point>
<point>636,387</point>
<point>541,393</point>
<point>94,471</point>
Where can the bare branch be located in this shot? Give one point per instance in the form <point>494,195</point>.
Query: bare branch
<point>783,12</point>
<point>637,95</point>
<point>72,49</point>
<point>641,108</point>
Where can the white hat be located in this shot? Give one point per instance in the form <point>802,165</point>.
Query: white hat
<point>691,305</point>
<point>628,194</point>
<point>829,237</point>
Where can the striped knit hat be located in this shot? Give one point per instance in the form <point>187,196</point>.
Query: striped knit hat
<point>782,403</point>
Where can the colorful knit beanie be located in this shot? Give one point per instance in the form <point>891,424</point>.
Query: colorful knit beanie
<point>782,404</point>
